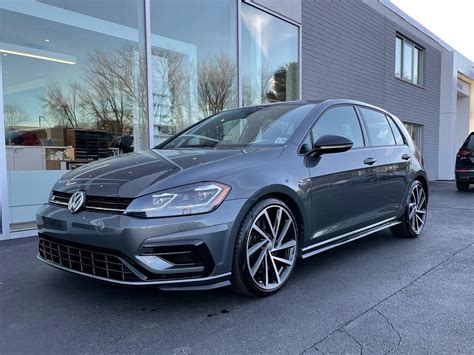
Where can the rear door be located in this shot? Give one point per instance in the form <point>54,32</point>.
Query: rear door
<point>393,161</point>
<point>341,183</point>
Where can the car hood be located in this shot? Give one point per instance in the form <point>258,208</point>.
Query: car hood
<point>136,174</point>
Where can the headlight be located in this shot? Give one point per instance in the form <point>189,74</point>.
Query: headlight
<point>181,201</point>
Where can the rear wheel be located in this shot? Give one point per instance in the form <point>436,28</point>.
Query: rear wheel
<point>266,249</point>
<point>462,186</point>
<point>414,218</point>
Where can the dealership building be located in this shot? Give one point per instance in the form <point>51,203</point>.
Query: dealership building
<point>79,79</point>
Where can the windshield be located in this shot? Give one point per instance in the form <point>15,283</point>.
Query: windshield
<point>271,125</point>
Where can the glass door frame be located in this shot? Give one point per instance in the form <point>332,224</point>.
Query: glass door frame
<point>4,210</point>
<point>239,40</point>
<point>5,232</point>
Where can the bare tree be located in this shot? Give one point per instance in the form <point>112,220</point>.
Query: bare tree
<point>112,92</point>
<point>14,115</point>
<point>110,95</point>
<point>63,105</point>
<point>216,84</point>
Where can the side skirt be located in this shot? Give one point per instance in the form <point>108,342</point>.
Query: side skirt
<point>335,242</point>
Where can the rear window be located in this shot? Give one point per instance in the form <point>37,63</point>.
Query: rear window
<point>469,143</point>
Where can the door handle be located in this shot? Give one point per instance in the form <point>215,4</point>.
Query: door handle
<point>370,161</point>
<point>406,156</point>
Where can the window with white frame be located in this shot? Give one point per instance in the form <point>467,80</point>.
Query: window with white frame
<point>416,133</point>
<point>408,61</point>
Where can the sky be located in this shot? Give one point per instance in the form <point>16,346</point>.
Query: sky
<point>450,20</point>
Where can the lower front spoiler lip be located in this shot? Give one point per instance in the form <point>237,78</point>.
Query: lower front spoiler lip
<point>208,282</point>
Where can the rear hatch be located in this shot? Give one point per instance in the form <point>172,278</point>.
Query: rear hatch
<point>465,156</point>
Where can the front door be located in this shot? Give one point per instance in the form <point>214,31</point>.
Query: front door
<point>341,183</point>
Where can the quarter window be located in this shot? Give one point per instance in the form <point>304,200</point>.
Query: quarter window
<point>378,128</point>
<point>340,121</point>
<point>408,60</point>
<point>396,132</point>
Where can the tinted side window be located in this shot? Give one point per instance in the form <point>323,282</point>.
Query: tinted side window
<point>340,121</point>
<point>396,131</point>
<point>469,143</point>
<point>378,128</point>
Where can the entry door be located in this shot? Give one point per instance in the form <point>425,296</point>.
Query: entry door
<point>341,183</point>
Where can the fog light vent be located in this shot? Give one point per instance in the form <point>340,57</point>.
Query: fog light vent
<point>188,258</point>
<point>177,254</point>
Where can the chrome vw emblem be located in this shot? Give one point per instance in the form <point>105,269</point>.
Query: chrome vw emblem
<point>76,201</point>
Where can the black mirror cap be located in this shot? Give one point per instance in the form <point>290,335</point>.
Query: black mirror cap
<point>331,144</point>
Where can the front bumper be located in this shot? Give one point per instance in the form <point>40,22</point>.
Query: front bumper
<point>189,252</point>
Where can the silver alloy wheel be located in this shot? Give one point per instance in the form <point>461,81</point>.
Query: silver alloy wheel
<point>417,209</point>
<point>271,247</point>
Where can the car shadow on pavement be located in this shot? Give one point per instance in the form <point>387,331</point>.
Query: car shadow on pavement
<point>151,299</point>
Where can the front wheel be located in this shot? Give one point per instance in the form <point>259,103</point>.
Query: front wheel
<point>265,250</point>
<point>414,218</point>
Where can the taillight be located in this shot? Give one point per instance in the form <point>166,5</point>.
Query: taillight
<point>464,153</point>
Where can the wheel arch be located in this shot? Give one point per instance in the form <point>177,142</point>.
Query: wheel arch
<point>291,199</point>
<point>423,179</point>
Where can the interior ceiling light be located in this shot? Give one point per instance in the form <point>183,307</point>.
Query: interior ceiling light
<point>7,48</point>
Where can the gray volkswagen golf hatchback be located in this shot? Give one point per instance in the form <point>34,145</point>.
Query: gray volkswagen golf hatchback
<point>237,198</point>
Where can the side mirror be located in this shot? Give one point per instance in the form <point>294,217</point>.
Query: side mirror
<point>330,144</point>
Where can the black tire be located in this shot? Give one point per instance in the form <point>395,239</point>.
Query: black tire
<point>241,280</point>
<point>405,229</point>
<point>462,186</point>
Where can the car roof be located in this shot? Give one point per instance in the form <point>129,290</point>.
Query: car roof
<point>327,102</point>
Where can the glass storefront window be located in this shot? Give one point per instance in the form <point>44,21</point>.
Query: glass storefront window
<point>74,81</point>
<point>194,61</point>
<point>74,91</point>
<point>269,61</point>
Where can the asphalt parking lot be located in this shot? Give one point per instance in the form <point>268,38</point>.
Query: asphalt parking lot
<point>375,295</point>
